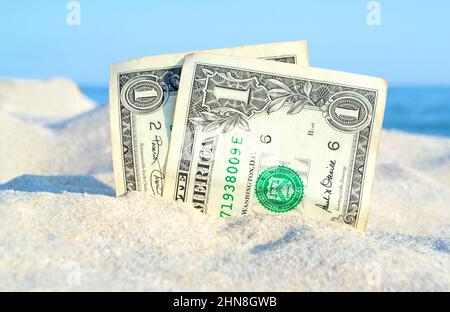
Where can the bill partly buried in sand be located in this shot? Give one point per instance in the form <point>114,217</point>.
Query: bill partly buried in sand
<point>62,228</point>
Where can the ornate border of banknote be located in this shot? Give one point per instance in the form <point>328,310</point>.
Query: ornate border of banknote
<point>299,89</point>
<point>318,97</point>
<point>167,79</point>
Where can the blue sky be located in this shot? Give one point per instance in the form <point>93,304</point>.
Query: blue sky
<point>411,46</point>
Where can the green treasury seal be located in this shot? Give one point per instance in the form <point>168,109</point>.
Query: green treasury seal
<point>279,189</point>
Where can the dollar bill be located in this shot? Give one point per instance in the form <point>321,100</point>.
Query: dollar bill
<point>142,100</point>
<point>257,137</point>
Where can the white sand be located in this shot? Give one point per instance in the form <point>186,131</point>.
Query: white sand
<point>61,229</point>
<point>25,98</point>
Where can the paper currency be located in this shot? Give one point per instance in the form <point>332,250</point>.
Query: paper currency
<point>142,98</point>
<point>258,137</point>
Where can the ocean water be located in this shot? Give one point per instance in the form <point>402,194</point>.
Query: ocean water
<point>422,110</point>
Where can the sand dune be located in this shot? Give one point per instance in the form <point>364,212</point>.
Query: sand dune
<point>24,99</point>
<point>81,144</point>
<point>62,229</point>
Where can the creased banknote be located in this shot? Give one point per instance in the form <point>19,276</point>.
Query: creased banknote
<point>142,99</point>
<point>258,137</point>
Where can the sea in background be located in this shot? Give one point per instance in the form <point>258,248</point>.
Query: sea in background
<point>421,109</point>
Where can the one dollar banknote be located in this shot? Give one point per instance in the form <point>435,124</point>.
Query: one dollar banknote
<point>256,137</point>
<point>142,97</point>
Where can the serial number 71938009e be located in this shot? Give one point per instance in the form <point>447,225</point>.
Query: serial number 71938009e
<point>230,178</point>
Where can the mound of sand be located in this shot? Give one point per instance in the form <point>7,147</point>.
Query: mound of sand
<point>78,145</point>
<point>42,102</point>
<point>62,229</point>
